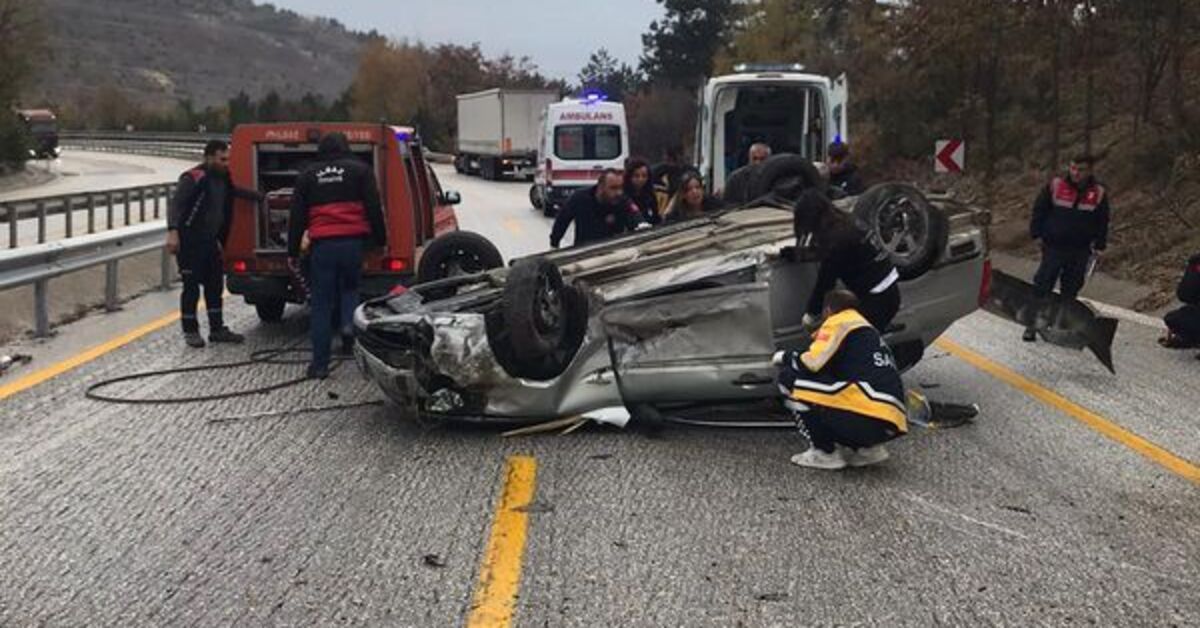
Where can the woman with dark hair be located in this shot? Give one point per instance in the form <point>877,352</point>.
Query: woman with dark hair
<point>690,201</point>
<point>847,253</point>
<point>640,192</point>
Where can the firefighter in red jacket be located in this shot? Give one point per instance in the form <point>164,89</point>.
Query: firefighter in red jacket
<point>336,208</point>
<point>1070,217</point>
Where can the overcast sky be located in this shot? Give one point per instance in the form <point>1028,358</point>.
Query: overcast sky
<point>557,34</point>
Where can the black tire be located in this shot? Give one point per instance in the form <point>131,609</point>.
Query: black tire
<point>520,338</point>
<point>270,311</point>
<point>487,168</point>
<point>460,164</point>
<point>740,186</point>
<point>785,177</point>
<point>535,197</point>
<point>457,253</point>
<point>905,224</point>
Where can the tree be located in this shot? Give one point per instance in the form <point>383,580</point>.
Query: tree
<point>241,109</point>
<point>681,48</point>
<point>22,38</point>
<point>392,82</point>
<point>606,74</point>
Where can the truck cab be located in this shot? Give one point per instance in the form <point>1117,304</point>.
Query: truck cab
<point>777,104</point>
<point>269,157</point>
<point>42,126</point>
<point>580,138</point>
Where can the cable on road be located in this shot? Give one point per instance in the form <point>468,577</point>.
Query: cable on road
<point>266,356</point>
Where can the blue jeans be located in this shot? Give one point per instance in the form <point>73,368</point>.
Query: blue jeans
<point>336,268</point>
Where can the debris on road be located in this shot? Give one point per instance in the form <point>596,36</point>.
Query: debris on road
<point>771,597</point>
<point>433,560</point>
<point>8,361</point>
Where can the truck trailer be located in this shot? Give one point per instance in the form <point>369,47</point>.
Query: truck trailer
<point>498,132</point>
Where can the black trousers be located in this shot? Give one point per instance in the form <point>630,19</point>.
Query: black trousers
<point>1066,268</point>
<point>880,309</point>
<point>828,428</point>
<point>201,269</point>
<point>1185,323</point>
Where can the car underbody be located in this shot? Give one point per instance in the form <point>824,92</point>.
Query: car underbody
<point>685,314</point>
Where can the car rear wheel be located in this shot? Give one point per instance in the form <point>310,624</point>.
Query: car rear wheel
<point>457,253</point>
<point>270,311</point>
<point>541,322</point>
<point>785,177</point>
<point>739,187</point>
<point>903,223</point>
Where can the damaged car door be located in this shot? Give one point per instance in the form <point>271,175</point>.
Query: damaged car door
<point>700,345</point>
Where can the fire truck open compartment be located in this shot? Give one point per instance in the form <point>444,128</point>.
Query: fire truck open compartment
<point>276,167</point>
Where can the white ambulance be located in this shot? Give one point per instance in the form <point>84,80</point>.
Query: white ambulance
<point>580,138</point>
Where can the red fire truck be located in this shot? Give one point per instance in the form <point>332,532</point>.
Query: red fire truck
<point>424,243</point>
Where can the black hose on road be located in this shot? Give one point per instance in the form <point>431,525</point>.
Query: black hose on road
<point>266,356</point>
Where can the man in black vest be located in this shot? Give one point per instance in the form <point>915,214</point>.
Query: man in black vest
<point>197,227</point>
<point>1070,217</point>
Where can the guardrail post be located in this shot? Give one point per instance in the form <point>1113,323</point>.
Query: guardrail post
<point>108,197</point>
<point>141,204</point>
<point>110,286</point>
<point>41,218</point>
<point>91,207</point>
<point>69,215</point>
<point>12,226</point>
<point>128,213</point>
<point>41,314</point>
<point>158,194</point>
<point>166,270</point>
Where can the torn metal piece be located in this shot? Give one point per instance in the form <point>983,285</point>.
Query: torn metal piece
<point>1060,321</point>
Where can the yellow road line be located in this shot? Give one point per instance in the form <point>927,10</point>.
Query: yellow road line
<point>35,378</point>
<point>513,226</point>
<point>1105,427</point>
<point>500,572</point>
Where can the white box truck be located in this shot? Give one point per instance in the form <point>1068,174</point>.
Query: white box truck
<point>499,131</point>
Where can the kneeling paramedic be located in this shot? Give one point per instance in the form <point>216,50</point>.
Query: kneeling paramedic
<point>197,228</point>
<point>845,389</point>
<point>336,207</point>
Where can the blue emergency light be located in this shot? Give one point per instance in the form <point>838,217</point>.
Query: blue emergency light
<point>593,96</point>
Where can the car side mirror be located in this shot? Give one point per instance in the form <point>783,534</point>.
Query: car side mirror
<point>450,197</point>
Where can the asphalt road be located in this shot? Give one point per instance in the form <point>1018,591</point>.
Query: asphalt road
<point>1046,511</point>
<point>81,171</point>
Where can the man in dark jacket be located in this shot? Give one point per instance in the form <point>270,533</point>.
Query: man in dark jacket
<point>1183,324</point>
<point>843,174</point>
<point>197,227</point>
<point>845,389</point>
<point>599,212</point>
<point>1070,217</point>
<point>336,207</point>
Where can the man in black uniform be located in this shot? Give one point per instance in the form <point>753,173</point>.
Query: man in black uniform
<point>843,174</point>
<point>1070,217</point>
<point>845,389</point>
<point>336,205</point>
<point>598,211</point>
<point>197,227</point>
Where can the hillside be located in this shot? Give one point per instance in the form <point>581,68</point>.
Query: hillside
<point>161,51</point>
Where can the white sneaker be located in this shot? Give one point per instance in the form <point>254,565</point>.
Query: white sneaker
<point>816,459</point>
<point>866,456</point>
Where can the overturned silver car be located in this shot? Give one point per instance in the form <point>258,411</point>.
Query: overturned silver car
<point>684,314</point>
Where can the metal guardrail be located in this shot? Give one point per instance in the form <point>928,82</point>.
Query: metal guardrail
<point>176,145</point>
<point>40,263</point>
<point>150,202</point>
